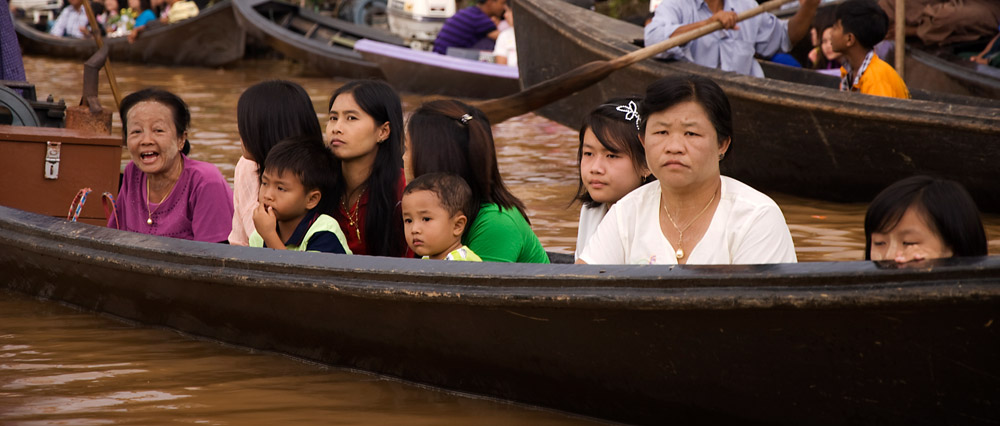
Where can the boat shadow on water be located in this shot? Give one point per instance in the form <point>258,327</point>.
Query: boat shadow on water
<point>819,343</point>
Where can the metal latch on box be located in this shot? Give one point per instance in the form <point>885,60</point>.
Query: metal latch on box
<point>52,159</point>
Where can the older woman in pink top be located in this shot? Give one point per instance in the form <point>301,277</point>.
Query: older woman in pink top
<point>163,191</point>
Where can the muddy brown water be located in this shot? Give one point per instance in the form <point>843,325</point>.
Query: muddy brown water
<point>60,366</point>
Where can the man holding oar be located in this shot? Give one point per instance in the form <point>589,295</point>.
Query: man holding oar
<point>733,48</point>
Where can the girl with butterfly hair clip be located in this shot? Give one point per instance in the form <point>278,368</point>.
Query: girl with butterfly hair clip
<point>611,160</point>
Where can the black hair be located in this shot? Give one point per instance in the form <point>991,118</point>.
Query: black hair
<point>179,111</point>
<point>448,136</point>
<point>618,132</point>
<point>667,92</point>
<point>865,19</point>
<point>143,5</point>
<point>453,192</point>
<point>381,102</point>
<point>271,111</point>
<point>310,161</point>
<point>945,205</point>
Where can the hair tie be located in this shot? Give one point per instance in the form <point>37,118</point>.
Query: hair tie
<point>631,112</point>
<point>465,118</point>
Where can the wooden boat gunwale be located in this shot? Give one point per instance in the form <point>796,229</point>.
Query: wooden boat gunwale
<point>328,58</point>
<point>778,285</point>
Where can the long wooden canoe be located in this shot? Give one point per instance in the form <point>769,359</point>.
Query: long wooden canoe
<point>423,72</point>
<point>210,39</point>
<point>789,136</point>
<point>810,343</point>
<point>325,46</point>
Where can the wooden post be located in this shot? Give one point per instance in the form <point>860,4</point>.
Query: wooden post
<point>95,31</point>
<point>900,35</point>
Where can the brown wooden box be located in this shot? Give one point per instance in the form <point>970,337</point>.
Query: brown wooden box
<point>86,160</point>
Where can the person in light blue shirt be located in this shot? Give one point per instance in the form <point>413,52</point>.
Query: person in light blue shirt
<point>733,47</point>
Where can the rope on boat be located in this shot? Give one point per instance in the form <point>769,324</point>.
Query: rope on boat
<point>110,207</point>
<point>77,205</point>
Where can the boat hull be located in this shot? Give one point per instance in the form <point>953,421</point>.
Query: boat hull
<point>822,343</point>
<point>210,39</point>
<point>304,44</point>
<point>430,73</point>
<point>788,137</point>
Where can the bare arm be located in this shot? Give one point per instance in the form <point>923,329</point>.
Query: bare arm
<point>798,25</point>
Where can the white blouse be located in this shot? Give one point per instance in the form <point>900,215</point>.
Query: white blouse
<point>590,217</point>
<point>747,228</point>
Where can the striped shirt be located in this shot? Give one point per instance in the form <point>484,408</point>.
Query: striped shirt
<point>463,29</point>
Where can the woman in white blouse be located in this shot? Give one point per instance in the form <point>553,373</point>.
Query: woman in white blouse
<point>691,214</point>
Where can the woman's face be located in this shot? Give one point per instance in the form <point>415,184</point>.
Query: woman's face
<point>152,138</point>
<point>111,5</point>
<point>682,147</point>
<point>134,4</point>
<point>911,239</point>
<point>351,133</point>
<point>606,175</point>
<point>828,45</point>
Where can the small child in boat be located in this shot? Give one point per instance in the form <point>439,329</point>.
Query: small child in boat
<point>859,26</point>
<point>292,215</point>
<point>920,218</point>
<point>434,220</point>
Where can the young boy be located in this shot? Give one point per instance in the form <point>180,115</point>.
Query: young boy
<point>434,220</point>
<point>859,26</point>
<point>293,183</point>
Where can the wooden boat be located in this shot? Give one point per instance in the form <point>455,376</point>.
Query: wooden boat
<point>325,46</point>
<point>811,343</point>
<point>210,39</point>
<point>790,136</point>
<point>423,72</point>
<point>926,70</point>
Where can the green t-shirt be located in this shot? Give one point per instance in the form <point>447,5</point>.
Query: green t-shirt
<point>502,235</point>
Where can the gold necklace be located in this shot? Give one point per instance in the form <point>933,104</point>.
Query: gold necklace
<point>680,232</point>
<point>149,213</point>
<point>352,215</point>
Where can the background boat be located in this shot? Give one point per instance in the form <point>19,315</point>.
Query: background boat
<point>210,39</point>
<point>417,71</point>
<point>325,46</point>
<point>812,343</point>
<point>790,136</point>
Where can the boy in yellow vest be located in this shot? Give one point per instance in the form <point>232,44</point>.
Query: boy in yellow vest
<point>859,26</point>
<point>295,184</point>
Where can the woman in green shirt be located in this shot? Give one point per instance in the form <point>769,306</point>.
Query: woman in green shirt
<point>449,136</point>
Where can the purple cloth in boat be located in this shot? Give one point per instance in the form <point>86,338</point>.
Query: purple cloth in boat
<point>465,28</point>
<point>435,60</point>
<point>200,207</point>
<point>11,66</point>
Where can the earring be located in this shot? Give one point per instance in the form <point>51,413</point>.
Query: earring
<point>721,156</point>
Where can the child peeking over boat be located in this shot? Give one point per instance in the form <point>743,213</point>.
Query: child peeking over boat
<point>859,26</point>
<point>294,185</point>
<point>434,220</point>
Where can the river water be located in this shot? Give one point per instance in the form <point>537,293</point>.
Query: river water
<point>60,366</point>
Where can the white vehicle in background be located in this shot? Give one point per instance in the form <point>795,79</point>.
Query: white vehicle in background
<point>418,21</point>
<point>37,8</point>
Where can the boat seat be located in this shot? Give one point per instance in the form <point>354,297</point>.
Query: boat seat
<point>312,30</point>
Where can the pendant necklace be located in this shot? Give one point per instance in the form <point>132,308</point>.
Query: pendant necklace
<point>680,232</point>
<point>149,213</point>
<point>352,215</point>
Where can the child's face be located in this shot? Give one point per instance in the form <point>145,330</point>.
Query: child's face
<point>285,196</point>
<point>828,45</point>
<point>606,175</point>
<point>911,239</point>
<point>839,42</point>
<point>429,229</point>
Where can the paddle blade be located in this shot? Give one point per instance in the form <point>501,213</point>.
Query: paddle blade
<point>546,92</point>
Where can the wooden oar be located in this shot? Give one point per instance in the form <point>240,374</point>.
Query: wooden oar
<point>579,78</point>
<point>95,30</point>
